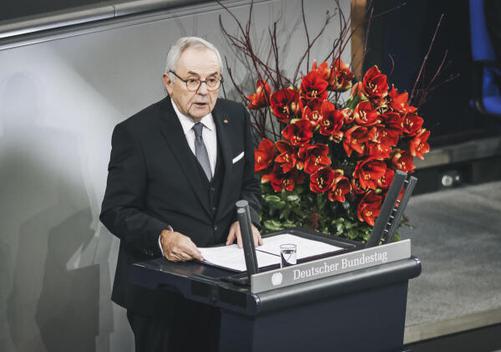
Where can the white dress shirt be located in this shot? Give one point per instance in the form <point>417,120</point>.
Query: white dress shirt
<point>208,134</point>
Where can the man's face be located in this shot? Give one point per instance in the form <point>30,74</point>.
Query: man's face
<point>198,63</point>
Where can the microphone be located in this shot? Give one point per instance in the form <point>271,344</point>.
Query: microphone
<point>244,220</point>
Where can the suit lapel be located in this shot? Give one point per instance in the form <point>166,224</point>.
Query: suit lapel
<point>172,130</point>
<point>223,127</point>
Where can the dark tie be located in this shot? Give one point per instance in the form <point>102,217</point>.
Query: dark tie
<point>201,151</point>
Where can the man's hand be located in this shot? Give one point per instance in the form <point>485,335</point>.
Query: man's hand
<point>234,233</point>
<point>178,247</point>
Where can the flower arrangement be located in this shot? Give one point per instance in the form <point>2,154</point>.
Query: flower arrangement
<point>334,161</point>
<point>328,144</point>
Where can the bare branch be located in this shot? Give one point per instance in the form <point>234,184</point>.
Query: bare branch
<point>327,20</point>
<point>392,64</point>
<point>308,44</point>
<point>425,59</point>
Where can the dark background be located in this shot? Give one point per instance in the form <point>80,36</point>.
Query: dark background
<point>404,29</point>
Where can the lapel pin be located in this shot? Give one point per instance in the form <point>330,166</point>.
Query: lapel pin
<point>225,120</point>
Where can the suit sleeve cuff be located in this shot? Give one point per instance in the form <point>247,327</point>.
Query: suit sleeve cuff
<point>255,218</point>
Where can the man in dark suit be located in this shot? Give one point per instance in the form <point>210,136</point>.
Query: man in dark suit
<point>176,170</point>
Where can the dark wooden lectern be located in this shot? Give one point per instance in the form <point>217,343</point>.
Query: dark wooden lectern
<point>363,310</point>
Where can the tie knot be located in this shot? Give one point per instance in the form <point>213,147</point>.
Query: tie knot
<point>198,129</point>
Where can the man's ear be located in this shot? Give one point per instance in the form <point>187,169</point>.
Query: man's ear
<point>167,83</point>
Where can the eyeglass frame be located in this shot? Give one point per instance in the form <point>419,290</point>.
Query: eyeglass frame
<point>220,80</point>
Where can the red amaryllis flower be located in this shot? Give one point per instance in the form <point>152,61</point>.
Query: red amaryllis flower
<point>355,139</point>
<point>418,145</point>
<point>261,97</point>
<point>284,104</point>
<point>385,181</point>
<point>369,207</point>
<point>340,76</point>
<point>332,121</point>
<point>264,154</point>
<point>281,181</point>
<point>298,133</point>
<point>381,142</point>
<point>315,156</point>
<point>313,89</point>
<point>312,114</point>
<point>365,115</point>
<point>287,157</point>
<point>399,101</point>
<point>394,123</point>
<point>380,105</point>
<point>412,124</point>
<point>403,160</point>
<point>374,83</point>
<point>355,186</point>
<point>369,173</point>
<point>340,187</point>
<point>378,150</point>
<point>323,69</point>
<point>347,115</point>
<point>386,135</point>
<point>321,180</point>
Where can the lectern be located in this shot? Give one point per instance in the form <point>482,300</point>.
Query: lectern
<point>353,300</point>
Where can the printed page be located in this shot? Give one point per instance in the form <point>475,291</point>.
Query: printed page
<point>232,257</point>
<point>305,247</point>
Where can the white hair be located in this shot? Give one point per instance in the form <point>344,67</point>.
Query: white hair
<point>184,43</point>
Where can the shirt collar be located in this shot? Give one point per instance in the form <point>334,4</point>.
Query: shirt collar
<point>187,122</point>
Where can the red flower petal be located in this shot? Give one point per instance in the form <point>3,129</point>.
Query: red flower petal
<point>298,133</point>
<point>313,89</point>
<point>261,97</point>
<point>418,146</point>
<point>284,104</point>
<point>264,154</point>
<point>375,83</point>
<point>369,207</point>
<point>369,173</point>
<point>322,180</point>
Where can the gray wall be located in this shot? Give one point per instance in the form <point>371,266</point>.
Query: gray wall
<point>59,101</point>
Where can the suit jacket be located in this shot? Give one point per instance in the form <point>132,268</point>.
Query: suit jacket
<point>154,182</point>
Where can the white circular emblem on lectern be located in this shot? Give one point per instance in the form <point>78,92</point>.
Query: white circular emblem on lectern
<point>276,279</point>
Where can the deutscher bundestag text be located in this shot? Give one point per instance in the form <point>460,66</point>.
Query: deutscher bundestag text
<point>343,264</point>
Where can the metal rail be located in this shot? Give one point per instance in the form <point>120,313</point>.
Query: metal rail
<point>19,28</point>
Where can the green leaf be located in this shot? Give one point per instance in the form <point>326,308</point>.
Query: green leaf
<point>271,198</point>
<point>289,224</point>
<point>352,102</point>
<point>274,202</point>
<point>273,225</point>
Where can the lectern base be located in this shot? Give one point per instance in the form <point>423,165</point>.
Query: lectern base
<point>369,320</point>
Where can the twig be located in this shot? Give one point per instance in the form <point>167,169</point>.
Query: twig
<point>392,64</point>
<point>327,20</point>
<point>425,60</point>
<point>367,30</point>
<point>303,15</point>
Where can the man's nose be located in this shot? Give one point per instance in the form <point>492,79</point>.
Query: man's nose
<point>202,89</point>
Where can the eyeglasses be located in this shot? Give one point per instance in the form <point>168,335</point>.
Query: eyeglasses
<point>193,84</point>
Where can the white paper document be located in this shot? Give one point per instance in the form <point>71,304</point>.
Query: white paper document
<point>232,257</point>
